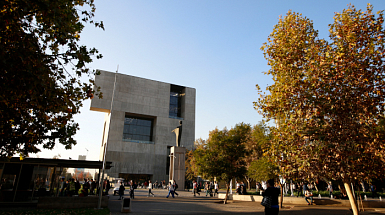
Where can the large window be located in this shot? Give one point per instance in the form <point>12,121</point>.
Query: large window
<point>137,129</point>
<point>174,105</point>
<point>176,93</point>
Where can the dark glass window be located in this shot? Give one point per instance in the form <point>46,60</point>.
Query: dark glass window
<point>137,129</point>
<point>174,105</point>
<point>176,93</point>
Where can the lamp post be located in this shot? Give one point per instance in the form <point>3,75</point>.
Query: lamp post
<point>105,148</point>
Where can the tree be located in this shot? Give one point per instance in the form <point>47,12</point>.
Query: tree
<point>222,155</point>
<point>42,64</point>
<point>261,167</point>
<point>189,175</point>
<point>256,144</point>
<point>190,162</point>
<point>328,98</point>
<point>80,176</point>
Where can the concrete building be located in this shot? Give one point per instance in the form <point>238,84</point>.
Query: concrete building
<point>139,127</point>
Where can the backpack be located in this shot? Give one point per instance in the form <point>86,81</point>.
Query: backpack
<point>176,185</point>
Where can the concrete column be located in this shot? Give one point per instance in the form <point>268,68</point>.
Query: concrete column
<point>177,167</point>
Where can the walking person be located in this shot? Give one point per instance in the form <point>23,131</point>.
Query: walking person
<point>175,187</point>
<point>373,189</point>
<point>63,186</point>
<point>206,188</point>
<point>299,193</point>
<point>243,188</point>
<point>121,191</point>
<point>273,194</point>
<point>195,188</point>
<point>215,188</point>
<point>237,188</point>
<point>132,188</point>
<point>211,187</point>
<point>304,188</point>
<point>149,189</point>
<point>71,187</point>
<point>93,186</point>
<point>86,187</point>
<point>170,190</point>
<point>77,186</point>
<point>108,186</point>
<point>330,189</point>
<point>293,188</point>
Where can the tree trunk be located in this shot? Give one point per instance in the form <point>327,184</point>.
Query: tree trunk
<point>363,186</point>
<point>315,185</point>
<point>227,192</point>
<point>248,182</point>
<point>352,200</point>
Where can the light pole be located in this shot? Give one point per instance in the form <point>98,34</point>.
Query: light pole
<point>105,148</point>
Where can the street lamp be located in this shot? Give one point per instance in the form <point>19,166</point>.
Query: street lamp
<point>105,147</point>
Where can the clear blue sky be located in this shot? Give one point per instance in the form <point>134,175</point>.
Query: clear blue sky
<point>210,45</point>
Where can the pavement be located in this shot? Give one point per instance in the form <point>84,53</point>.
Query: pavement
<point>186,203</point>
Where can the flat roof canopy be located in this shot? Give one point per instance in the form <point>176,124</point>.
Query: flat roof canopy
<point>60,162</point>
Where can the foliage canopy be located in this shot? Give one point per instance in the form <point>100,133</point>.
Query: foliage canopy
<point>259,166</point>
<point>222,155</point>
<point>328,97</point>
<point>42,64</point>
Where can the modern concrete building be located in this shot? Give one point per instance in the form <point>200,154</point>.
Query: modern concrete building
<point>139,127</point>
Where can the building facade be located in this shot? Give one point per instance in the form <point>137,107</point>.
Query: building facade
<point>139,126</point>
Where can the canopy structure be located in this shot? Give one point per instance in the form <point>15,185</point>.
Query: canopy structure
<point>59,162</point>
<point>26,179</point>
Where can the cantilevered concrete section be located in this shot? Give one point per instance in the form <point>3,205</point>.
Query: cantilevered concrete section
<point>144,113</point>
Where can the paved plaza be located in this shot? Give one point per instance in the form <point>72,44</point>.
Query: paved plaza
<point>185,203</point>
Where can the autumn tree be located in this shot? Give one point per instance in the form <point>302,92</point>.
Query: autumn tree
<point>259,165</point>
<point>222,155</point>
<point>42,66</point>
<point>262,169</point>
<point>80,176</point>
<point>328,97</point>
<point>256,143</point>
<point>189,174</point>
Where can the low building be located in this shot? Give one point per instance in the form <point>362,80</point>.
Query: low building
<point>24,180</point>
<point>140,115</point>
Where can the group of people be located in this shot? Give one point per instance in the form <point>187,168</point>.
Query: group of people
<point>267,189</point>
<point>271,192</point>
<point>208,188</point>
<point>132,186</point>
<point>240,188</point>
<point>72,187</point>
<point>303,188</point>
<point>172,187</point>
<point>155,185</point>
